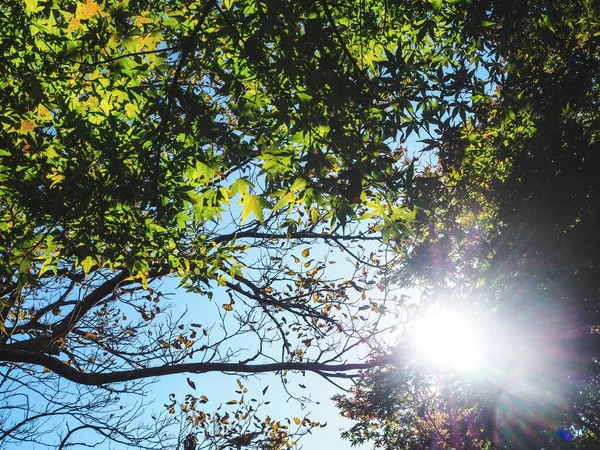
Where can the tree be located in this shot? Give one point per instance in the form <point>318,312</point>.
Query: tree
<point>239,149</point>
<point>509,225</point>
<point>215,144</point>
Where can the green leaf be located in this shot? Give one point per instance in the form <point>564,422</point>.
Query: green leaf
<point>253,204</point>
<point>286,200</point>
<point>31,6</point>
<point>299,184</point>
<point>303,97</point>
<point>241,186</point>
<point>87,264</point>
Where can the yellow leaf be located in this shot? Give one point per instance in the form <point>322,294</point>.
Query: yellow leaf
<point>227,307</point>
<point>91,335</point>
<point>306,253</point>
<point>105,106</point>
<point>43,112</point>
<point>253,204</point>
<point>87,264</point>
<point>130,110</point>
<point>297,420</point>
<point>227,4</point>
<point>27,126</point>
<point>74,25</point>
<point>30,6</point>
<point>140,20</point>
<point>315,215</point>
<point>55,177</point>
<point>232,402</point>
<point>50,152</point>
<point>87,10</point>
<point>120,96</point>
<point>143,279</point>
<point>287,200</point>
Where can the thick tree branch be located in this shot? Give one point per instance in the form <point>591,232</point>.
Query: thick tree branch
<point>82,308</point>
<point>298,235</point>
<point>97,379</point>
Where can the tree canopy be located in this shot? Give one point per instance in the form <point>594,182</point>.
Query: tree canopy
<point>510,230</point>
<point>258,154</point>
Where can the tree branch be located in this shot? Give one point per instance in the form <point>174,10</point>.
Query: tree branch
<point>298,235</point>
<point>97,379</point>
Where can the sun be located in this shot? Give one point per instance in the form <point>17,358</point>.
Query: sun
<point>448,340</point>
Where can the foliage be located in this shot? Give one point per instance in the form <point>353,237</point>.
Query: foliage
<point>209,145</point>
<point>509,230</point>
<point>252,153</point>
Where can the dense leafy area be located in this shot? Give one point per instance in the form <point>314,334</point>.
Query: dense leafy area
<point>244,150</point>
<point>212,144</point>
<point>138,125</point>
<point>511,231</point>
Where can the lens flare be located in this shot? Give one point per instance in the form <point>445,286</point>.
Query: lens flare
<point>448,340</point>
<point>521,363</point>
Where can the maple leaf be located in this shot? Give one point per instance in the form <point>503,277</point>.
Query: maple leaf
<point>87,10</point>
<point>74,25</point>
<point>253,204</point>
<point>27,126</point>
<point>43,112</point>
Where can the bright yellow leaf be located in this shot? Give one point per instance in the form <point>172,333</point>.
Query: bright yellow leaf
<point>74,25</point>
<point>140,20</point>
<point>55,177</point>
<point>252,205</point>
<point>227,307</point>
<point>297,420</point>
<point>287,200</point>
<point>30,6</point>
<point>105,106</point>
<point>27,126</point>
<point>87,10</point>
<point>130,110</point>
<point>43,112</point>
<point>306,253</point>
<point>87,264</point>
